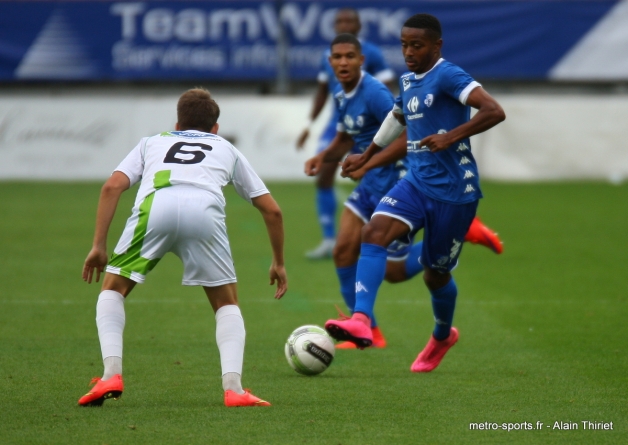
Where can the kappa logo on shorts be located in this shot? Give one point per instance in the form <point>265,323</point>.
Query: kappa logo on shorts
<point>455,249</point>
<point>388,200</point>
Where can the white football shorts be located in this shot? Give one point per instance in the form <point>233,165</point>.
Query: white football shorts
<point>184,220</point>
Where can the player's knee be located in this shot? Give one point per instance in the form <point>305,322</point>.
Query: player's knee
<point>345,254</point>
<point>395,272</point>
<point>435,280</point>
<point>372,235</point>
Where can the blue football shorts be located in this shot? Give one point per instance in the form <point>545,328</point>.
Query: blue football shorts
<point>445,225</point>
<point>362,203</point>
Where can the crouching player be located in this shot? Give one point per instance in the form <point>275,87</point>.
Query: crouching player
<point>179,208</point>
<point>362,103</point>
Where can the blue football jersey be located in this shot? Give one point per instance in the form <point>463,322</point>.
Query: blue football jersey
<point>360,114</point>
<point>434,102</point>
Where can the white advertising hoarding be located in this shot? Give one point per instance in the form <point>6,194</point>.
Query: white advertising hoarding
<point>84,136</point>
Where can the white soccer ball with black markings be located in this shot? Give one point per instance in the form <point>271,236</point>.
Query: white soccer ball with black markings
<point>309,350</point>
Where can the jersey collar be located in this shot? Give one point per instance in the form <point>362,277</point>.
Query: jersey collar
<point>422,75</point>
<point>352,93</point>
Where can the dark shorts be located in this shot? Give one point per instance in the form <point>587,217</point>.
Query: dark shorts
<point>445,225</point>
<point>363,204</point>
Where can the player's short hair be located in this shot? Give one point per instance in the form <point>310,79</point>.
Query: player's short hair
<point>346,38</point>
<point>196,110</point>
<point>427,22</point>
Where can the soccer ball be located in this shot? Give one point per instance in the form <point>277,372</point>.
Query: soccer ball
<point>309,350</point>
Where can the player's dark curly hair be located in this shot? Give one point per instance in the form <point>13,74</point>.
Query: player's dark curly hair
<point>196,110</point>
<point>347,38</point>
<point>427,22</point>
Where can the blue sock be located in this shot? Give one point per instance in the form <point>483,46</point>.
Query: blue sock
<point>443,305</point>
<point>326,208</point>
<point>370,274</point>
<point>346,276</point>
<point>413,266</point>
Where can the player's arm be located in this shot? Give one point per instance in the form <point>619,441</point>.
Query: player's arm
<point>395,151</point>
<point>317,106</point>
<point>338,147</point>
<point>273,219</point>
<point>391,129</point>
<point>110,194</point>
<point>489,114</point>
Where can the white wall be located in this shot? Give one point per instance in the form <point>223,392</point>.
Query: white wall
<point>84,136</point>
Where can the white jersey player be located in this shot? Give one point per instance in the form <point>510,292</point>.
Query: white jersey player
<point>180,209</point>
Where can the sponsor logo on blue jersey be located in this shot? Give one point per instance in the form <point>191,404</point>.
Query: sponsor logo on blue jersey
<point>413,104</point>
<point>406,83</point>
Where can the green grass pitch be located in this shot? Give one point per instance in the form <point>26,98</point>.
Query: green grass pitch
<point>543,331</point>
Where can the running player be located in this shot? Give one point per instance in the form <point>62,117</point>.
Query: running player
<point>440,192</point>
<point>362,104</point>
<point>179,208</point>
<point>347,21</point>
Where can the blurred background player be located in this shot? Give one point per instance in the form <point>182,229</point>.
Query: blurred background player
<point>347,20</point>
<point>362,103</point>
<point>440,192</point>
<point>179,208</point>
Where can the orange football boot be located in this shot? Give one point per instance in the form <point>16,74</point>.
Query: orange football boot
<point>431,356</point>
<point>103,389</point>
<point>378,341</point>
<point>233,399</point>
<point>480,234</point>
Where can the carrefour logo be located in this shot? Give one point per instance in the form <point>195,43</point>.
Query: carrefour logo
<point>348,121</point>
<point>413,105</point>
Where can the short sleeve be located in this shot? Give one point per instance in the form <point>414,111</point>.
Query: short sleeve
<point>376,65</point>
<point>398,105</point>
<point>340,125</point>
<point>323,75</point>
<point>457,83</point>
<point>381,103</point>
<point>245,181</point>
<point>133,164</point>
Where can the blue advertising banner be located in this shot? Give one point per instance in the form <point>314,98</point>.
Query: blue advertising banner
<point>237,40</point>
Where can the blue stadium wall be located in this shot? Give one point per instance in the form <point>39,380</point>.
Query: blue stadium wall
<point>237,40</point>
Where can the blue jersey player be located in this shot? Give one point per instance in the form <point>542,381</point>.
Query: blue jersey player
<point>362,104</point>
<point>439,193</point>
<point>346,21</point>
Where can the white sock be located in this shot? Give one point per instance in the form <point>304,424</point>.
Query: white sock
<point>110,322</point>
<point>232,381</point>
<point>230,335</point>
<point>113,366</point>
